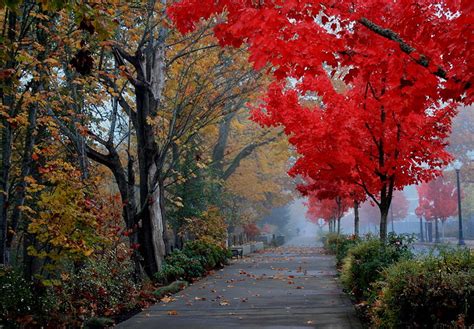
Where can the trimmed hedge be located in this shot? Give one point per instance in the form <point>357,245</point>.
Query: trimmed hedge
<point>427,293</point>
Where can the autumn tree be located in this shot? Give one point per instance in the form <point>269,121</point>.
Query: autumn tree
<point>398,207</point>
<point>330,210</point>
<point>395,89</point>
<point>127,93</point>
<point>437,200</point>
<point>162,90</point>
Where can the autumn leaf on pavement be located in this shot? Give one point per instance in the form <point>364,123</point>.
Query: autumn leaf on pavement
<point>167,299</point>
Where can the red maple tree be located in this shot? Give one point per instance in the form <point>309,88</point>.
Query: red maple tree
<point>251,230</point>
<point>330,210</point>
<point>398,207</point>
<point>437,201</point>
<point>387,127</point>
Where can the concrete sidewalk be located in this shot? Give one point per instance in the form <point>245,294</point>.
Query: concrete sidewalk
<point>287,287</point>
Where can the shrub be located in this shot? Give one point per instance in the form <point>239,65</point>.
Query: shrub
<point>179,265</point>
<point>192,266</point>
<point>340,245</point>
<point>330,241</point>
<point>211,255</point>
<point>365,262</point>
<point>193,261</point>
<point>16,297</point>
<point>430,292</point>
<point>101,287</point>
<point>210,227</point>
<point>169,273</point>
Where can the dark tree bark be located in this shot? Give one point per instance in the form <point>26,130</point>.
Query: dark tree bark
<point>437,240</point>
<point>6,139</point>
<point>356,218</point>
<point>422,237</point>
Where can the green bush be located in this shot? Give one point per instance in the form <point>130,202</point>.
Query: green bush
<point>212,255</point>
<point>16,297</point>
<point>365,262</point>
<point>331,241</point>
<point>192,266</point>
<point>169,273</point>
<point>340,245</point>
<point>428,293</point>
<point>192,262</point>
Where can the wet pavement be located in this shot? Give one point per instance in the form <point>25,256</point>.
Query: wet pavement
<point>294,286</point>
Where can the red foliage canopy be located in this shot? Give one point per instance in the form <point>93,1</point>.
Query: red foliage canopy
<point>437,199</point>
<point>297,37</point>
<point>405,64</point>
<point>327,209</point>
<point>399,205</point>
<point>251,230</point>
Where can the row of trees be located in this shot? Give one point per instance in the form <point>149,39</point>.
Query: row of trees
<point>366,91</point>
<point>115,127</point>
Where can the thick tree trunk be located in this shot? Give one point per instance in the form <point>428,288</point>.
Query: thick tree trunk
<point>383,223</point>
<point>152,246</point>
<point>125,181</point>
<point>356,218</point>
<point>422,238</point>
<point>338,225</point>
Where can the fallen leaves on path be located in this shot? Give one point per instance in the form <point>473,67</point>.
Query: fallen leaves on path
<point>167,299</point>
<point>200,298</point>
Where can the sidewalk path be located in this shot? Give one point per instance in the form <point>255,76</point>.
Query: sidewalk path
<point>289,287</point>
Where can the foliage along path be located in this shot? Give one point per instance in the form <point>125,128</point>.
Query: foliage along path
<point>289,287</point>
